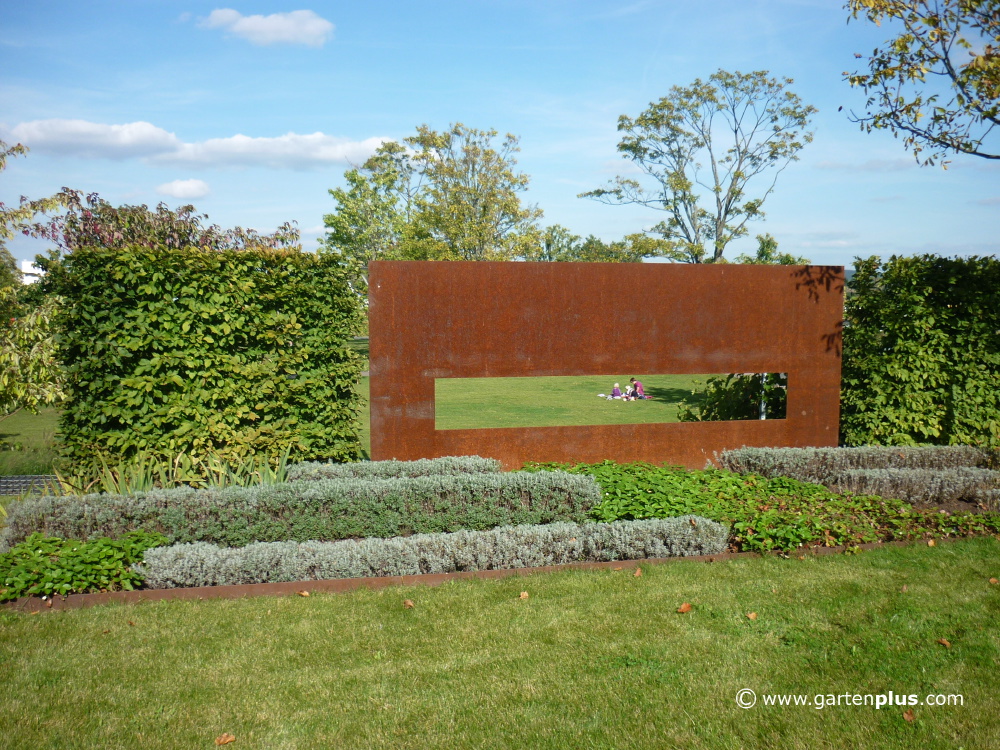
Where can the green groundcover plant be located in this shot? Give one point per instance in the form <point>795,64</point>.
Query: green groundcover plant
<point>766,514</point>
<point>47,566</point>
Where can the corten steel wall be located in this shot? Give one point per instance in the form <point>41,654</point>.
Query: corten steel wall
<point>479,319</point>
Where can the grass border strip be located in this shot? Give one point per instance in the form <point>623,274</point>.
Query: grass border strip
<point>33,604</point>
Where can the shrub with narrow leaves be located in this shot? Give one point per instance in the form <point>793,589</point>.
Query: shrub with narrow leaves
<point>392,469</point>
<point>323,510</point>
<point>920,485</point>
<point>202,564</point>
<point>821,465</point>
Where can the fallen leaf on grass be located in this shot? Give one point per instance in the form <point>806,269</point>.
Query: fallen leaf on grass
<point>224,739</point>
<point>105,632</point>
<point>617,567</point>
<point>638,573</point>
<point>944,642</point>
<point>303,593</point>
<point>407,603</point>
<point>751,615</point>
<point>908,715</point>
<point>931,543</point>
<point>524,595</point>
<point>131,623</point>
<point>684,608</point>
<point>994,581</point>
<point>904,588</point>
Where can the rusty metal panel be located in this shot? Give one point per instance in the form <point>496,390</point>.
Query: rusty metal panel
<point>460,319</point>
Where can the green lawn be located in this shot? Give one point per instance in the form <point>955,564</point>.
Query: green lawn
<point>27,442</point>
<point>590,660</point>
<point>470,403</point>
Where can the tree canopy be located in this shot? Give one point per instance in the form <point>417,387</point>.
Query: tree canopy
<point>449,195</point>
<point>937,82</point>
<point>718,135</point>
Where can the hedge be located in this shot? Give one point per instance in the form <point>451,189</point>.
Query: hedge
<point>922,485</point>
<point>392,469</point>
<point>202,564</point>
<point>821,465</point>
<point>183,351</point>
<point>323,510</point>
<point>921,358</point>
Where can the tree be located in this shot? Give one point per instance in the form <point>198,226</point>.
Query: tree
<point>30,374</point>
<point>559,244</point>
<point>938,81</point>
<point>376,208</point>
<point>92,221</point>
<point>452,195</point>
<point>767,254</point>
<point>738,125</point>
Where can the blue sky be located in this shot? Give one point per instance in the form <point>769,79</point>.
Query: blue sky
<point>253,110</point>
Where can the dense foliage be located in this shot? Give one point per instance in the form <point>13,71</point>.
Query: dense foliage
<point>323,510</point>
<point>47,566</point>
<point>922,352</point>
<point>738,396</point>
<point>229,354</point>
<point>393,469</point>
<point>497,549</point>
<point>766,514</point>
<point>821,465</point>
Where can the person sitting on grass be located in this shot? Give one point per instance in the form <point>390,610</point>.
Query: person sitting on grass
<point>637,388</point>
<point>629,394</point>
<point>616,392</point>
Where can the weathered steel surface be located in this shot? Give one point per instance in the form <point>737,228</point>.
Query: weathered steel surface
<point>478,319</point>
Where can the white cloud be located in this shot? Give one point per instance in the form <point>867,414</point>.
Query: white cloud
<point>296,27</point>
<point>184,189</point>
<point>146,141</point>
<point>95,140</point>
<point>285,151</point>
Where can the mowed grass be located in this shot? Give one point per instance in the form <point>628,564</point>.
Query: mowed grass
<point>471,403</point>
<point>590,659</point>
<point>27,442</point>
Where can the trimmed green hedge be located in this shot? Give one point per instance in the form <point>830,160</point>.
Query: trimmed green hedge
<point>323,510</point>
<point>922,352</point>
<point>507,547</point>
<point>228,354</point>
<point>392,469</point>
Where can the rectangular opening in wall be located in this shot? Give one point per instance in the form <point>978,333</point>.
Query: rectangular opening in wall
<point>570,401</point>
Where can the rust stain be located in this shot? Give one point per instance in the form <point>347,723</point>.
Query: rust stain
<point>480,319</point>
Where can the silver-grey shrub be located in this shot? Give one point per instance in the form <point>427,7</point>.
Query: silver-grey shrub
<point>203,564</point>
<point>821,465</point>
<point>423,467</point>
<point>921,485</point>
<point>326,510</point>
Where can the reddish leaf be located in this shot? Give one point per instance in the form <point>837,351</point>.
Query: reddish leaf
<point>224,739</point>
<point>684,608</point>
<point>407,603</point>
<point>303,593</point>
<point>751,615</point>
<point>994,581</point>
<point>944,642</point>
<point>908,715</point>
<point>931,543</point>
<point>524,595</point>
<point>131,623</point>
<point>638,573</point>
<point>904,588</point>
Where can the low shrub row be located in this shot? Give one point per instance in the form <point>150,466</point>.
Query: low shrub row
<point>202,564</point>
<point>922,475</point>
<point>923,485</point>
<point>323,510</point>
<point>767,513</point>
<point>821,465</point>
<point>424,467</point>
<point>47,566</point>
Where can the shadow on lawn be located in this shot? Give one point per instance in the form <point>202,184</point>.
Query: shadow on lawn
<point>674,395</point>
